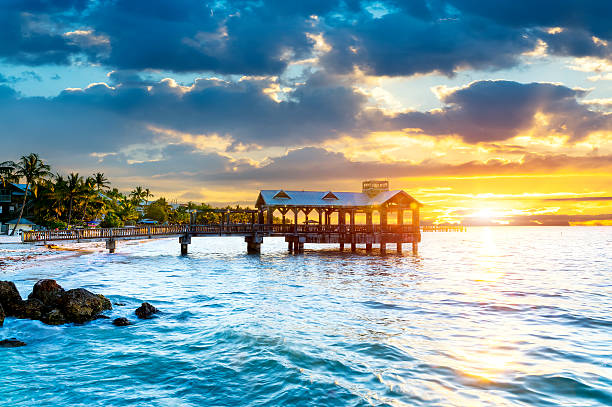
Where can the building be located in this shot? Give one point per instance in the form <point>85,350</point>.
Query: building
<point>11,199</point>
<point>331,207</point>
<point>24,225</point>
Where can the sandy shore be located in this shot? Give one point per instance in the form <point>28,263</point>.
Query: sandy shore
<point>5,239</point>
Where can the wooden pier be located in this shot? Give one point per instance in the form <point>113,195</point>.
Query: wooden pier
<point>295,235</point>
<point>375,199</point>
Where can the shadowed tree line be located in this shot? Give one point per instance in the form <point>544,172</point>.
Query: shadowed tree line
<point>64,201</point>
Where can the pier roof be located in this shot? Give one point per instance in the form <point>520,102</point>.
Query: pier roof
<point>271,197</point>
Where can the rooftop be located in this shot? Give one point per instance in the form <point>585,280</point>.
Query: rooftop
<point>330,198</point>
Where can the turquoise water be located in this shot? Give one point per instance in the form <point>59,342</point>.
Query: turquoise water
<point>492,317</point>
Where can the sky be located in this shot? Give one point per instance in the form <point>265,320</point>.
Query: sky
<point>486,112</point>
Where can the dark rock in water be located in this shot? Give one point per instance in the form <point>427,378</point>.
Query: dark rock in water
<point>1,315</point>
<point>11,343</point>
<point>10,299</point>
<point>54,317</point>
<point>119,304</point>
<point>121,322</point>
<point>48,292</point>
<point>31,309</point>
<point>80,305</point>
<point>146,310</point>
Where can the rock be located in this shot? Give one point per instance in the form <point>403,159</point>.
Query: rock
<point>121,322</point>
<point>119,304</point>
<point>54,317</point>
<point>146,310</point>
<point>48,292</point>
<point>80,305</point>
<point>10,299</point>
<point>11,343</point>
<point>31,309</point>
<point>1,315</point>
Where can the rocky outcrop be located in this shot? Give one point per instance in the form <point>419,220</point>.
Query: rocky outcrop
<point>51,304</point>
<point>54,317</point>
<point>80,305</point>
<point>11,343</point>
<point>121,322</point>
<point>31,309</point>
<point>1,315</point>
<point>10,299</point>
<point>146,311</point>
<point>47,292</point>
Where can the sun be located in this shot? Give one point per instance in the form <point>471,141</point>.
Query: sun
<point>484,213</point>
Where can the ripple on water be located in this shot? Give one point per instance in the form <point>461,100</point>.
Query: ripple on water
<point>493,316</point>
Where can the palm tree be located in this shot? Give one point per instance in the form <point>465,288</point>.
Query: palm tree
<point>138,195</point>
<point>147,194</point>
<point>33,169</point>
<point>101,181</point>
<point>88,193</point>
<point>7,173</point>
<point>127,210</point>
<point>73,186</point>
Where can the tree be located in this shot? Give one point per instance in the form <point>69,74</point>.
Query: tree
<point>127,210</point>
<point>88,193</point>
<point>34,170</point>
<point>102,183</point>
<point>158,210</point>
<point>7,173</point>
<point>73,189</point>
<point>147,194</point>
<point>138,194</point>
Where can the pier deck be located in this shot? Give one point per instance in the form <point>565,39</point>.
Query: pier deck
<point>344,234</point>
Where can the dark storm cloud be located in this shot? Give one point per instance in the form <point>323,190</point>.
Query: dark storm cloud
<point>499,110</point>
<point>262,37</point>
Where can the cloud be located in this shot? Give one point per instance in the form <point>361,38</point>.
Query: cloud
<point>256,38</point>
<point>29,37</point>
<point>583,199</point>
<point>105,118</point>
<point>129,110</point>
<point>499,110</point>
<point>402,44</point>
<point>318,163</point>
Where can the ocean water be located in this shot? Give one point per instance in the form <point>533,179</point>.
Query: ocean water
<point>490,317</point>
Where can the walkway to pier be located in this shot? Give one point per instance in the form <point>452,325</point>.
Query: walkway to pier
<point>359,234</point>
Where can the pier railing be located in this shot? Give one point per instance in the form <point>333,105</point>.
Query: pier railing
<point>151,231</point>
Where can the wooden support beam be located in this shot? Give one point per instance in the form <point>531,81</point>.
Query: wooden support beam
<point>400,221</point>
<point>353,244</point>
<point>383,224</point>
<point>416,229</point>
<point>369,230</point>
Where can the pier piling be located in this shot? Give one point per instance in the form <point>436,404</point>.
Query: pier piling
<point>185,241</point>
<point>110,245</point>
<point>253,244</point>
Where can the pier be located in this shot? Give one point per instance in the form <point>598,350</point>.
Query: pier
<point>335,222</point>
